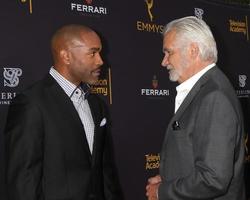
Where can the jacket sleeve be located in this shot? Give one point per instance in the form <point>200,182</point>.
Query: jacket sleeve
<point>216,140</point>
<point>24,150</point>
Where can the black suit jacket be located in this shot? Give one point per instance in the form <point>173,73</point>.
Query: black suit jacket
<point>47,152</point>
<point>203,151</point>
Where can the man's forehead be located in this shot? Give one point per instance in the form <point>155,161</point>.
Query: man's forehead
<point>169,39</point>
<point>89,45</point>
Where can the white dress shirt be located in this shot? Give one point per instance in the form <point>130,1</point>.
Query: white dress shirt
<point>81,105</point>
<point>184,88</point>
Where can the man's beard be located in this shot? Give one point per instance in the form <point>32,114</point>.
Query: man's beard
<point>174,75</point>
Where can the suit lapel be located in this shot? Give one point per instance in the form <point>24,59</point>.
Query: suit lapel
<point>67,108</point>
<point>191,95</point>
<point>95,111</point>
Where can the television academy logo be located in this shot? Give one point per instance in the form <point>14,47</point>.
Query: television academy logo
<point>103,87</point>
<point>239,26</point>
<point>152,161</point>
<point>154,92</point>
<point>11,76</point>
<point>87,7</point>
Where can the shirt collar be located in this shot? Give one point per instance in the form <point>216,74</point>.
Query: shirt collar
<point>66,85</point>
<point>188,84</point>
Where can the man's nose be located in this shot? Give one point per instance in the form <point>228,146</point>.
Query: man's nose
<point>99,60</point>
<point>165,61</point>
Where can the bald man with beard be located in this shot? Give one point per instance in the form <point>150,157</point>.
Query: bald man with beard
<point>58,140</point>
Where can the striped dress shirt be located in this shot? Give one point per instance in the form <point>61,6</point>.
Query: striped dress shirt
<point>76,95</point>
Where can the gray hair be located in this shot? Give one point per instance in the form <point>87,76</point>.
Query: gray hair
<point>191,29</point>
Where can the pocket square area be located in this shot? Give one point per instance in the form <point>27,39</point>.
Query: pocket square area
<point>103,122</point>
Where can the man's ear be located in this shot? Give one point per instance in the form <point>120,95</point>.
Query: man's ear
<point>64,55</point>
<point>194,50</point>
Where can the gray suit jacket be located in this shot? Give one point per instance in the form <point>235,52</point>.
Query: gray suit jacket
<point>203,151</point>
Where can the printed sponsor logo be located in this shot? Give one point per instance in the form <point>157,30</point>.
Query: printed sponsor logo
<point>198,12</point>
<point>10,80</point>
<point>6,97</point>
<point>150,4</point>
<point>242,80</point>
<point>89,1</point>
<point>152,161</point>
<point>239,26</point>
<point>11,76</point>
<point>154,91</point>
<point>87,7</point>
<point>103,87</point>
<point>150,26</point>
<point>243,93</point>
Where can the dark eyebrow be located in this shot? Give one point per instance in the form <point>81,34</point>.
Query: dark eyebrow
<point>95,49</point>
<point>166,50</point>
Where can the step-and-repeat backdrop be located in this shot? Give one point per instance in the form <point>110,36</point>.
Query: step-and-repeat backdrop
<point>136,87</point>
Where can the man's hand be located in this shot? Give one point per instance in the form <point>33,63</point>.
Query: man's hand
<point>152,187</point>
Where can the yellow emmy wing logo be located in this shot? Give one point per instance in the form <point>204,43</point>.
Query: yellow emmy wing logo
<point>150,4</point>
<point>30,5</point>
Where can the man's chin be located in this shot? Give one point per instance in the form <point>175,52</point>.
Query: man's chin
<point>173,77</point>
<point>92,81</point>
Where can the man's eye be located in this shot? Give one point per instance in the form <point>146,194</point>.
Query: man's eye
<point>170,52</point>
<point>92,54</point>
